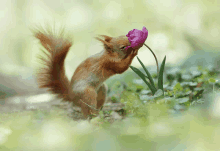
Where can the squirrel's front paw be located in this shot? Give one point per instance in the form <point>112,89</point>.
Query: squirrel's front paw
<point>134,52</point>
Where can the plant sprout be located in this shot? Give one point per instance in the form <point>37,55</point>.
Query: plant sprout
<point>137,39</point>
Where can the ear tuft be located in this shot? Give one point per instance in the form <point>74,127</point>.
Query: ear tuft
<point>106,42</point>
<point>107,38</point>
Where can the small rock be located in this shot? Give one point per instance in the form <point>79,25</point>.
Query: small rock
<point>116,116</point>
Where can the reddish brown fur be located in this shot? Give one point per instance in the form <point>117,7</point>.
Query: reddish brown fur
<point>86,85</point>
<point>49,77</point>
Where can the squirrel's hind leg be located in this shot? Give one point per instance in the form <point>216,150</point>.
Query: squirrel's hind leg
<point>89,102</point>
<point>101,97</point>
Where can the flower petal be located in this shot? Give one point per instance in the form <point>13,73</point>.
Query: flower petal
<point>137,37</point>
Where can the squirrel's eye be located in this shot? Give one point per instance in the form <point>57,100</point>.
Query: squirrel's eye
<point>123,47</point>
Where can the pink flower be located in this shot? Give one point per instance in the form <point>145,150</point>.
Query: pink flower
<point>137,38</point>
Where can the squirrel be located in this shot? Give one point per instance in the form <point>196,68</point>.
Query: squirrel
<point>86,88</point>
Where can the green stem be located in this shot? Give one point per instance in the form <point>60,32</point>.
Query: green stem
<point>155,58</point>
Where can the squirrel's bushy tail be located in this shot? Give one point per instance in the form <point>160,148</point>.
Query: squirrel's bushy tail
<point>52,74</point>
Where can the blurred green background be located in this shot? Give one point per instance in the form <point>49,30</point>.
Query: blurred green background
<point>177,28</point>
<point>171,24</point>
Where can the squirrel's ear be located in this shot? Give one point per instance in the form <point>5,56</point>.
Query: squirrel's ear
<point>107,38</point>
<point>106,42</point>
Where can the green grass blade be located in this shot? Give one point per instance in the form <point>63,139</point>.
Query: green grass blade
<point>142,76</point>
<point>148,73</point>
<point>160,78</point>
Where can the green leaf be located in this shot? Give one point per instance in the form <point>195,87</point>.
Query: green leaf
<point>142,76</point>
<point>183,100</point>
<point>148,73</point>
<point>178,87</point>
<point>193,84</point>
<point>212,80</point>
<point>158,93</point>
<point>160,78</point>
<point>146,97</point>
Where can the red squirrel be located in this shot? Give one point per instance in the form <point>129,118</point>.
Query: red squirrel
<point>86,88</point>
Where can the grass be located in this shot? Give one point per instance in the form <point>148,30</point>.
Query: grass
<point>185,118</point>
